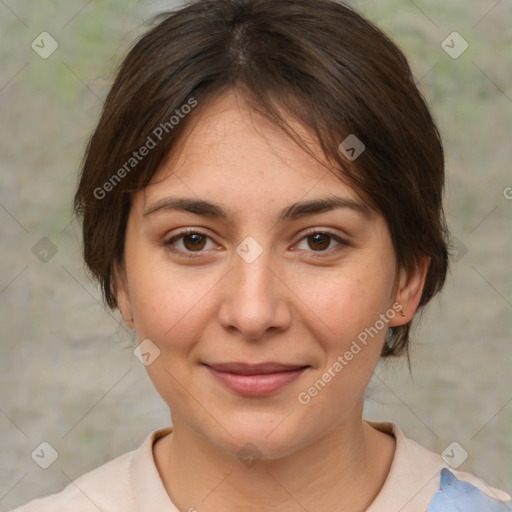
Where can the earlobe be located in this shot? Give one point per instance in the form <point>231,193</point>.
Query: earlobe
<point>409,291</point>
<point>123,299</point>
<point>125,307</point>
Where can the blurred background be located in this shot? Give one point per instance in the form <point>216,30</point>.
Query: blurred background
<point>68,375</point>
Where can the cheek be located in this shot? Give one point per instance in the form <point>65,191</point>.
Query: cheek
<point>172,308</point>
<point>351,334</point>
<point>168,301</point>
<point>342,303</point>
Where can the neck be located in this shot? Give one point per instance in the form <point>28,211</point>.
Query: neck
<point>342,471</point>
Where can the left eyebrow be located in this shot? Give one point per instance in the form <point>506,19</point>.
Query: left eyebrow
<point>323,204</point>
<point>294,211</point>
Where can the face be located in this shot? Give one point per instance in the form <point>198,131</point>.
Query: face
<point>264,282</point>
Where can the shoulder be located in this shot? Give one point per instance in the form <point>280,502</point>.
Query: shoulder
<point>420,480</point>
<point>93,491</point>
<point>455,495</point>
<point>107,488</point>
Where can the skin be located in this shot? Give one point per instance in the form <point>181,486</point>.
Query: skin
<point>300,302</point>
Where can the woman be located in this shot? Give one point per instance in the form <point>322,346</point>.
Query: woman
<point>262,200</point>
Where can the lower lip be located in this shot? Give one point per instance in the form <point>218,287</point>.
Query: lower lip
<point>256,385</point>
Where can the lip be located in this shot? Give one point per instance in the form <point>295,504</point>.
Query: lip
<point>255,379</point>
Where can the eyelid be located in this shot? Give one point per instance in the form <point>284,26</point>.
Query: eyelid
<point>325,231</point>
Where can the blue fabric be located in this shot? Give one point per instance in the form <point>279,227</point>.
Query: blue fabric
<point>458,496</point>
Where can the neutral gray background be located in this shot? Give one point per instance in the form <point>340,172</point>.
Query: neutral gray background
<point>67,372</point>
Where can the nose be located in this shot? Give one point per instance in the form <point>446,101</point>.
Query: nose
<point>254,300</point>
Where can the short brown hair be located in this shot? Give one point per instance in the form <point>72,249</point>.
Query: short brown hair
<point>319,62</point>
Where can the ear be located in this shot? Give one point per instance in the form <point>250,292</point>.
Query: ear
<point>123,296</point>
<point>408,290</point>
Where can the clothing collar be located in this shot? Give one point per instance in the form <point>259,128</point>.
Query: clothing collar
<point>408,484</point>
<point>148,488</point>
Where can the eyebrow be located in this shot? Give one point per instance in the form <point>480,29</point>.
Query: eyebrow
<point>294,211</point>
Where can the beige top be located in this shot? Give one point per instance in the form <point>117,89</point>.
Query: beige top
<point>131,482</point>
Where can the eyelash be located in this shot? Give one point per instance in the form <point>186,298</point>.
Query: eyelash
<point>193,254</point>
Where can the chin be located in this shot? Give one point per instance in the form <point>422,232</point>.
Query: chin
<point>260,437</point>
<point>261,447</point>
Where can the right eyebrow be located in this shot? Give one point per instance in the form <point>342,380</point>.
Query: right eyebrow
<point>197,206</point>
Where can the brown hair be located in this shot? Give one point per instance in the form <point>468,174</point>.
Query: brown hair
<point>317,61</point>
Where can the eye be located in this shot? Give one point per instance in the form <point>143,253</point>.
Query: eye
<point>192,241</point>
<point>320,241</point>
<point>189,241</point>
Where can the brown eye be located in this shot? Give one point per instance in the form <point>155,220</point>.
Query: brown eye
<point>322,242</point>
<point>189,242</point>
<point>194,242</point>
<point>319,241</point>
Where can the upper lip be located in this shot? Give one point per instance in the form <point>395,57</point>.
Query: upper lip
<point>254,369</point>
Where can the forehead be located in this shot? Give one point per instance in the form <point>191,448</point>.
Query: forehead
<point>231,153</point>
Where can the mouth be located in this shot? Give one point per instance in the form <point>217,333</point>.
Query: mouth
<point>255,379</point>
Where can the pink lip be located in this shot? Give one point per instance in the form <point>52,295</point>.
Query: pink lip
<point>255,380</point>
